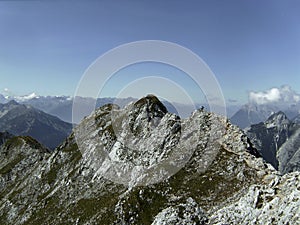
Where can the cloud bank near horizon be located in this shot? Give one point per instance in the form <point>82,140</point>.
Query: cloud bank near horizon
<point>282,95</point>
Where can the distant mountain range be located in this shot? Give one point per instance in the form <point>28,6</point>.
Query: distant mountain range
<point>252,113</point>
<point>278,141</point>
<point>61,106</point>
<point>20,119</point>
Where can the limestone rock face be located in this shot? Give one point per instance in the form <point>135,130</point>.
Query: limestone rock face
<point>274,203</point>
<point>143,165</point>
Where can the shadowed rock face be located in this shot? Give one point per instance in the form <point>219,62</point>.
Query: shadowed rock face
<point>277,140</point>
<point>4,136</point>
<point>20,119</point>
<point>71,185</point>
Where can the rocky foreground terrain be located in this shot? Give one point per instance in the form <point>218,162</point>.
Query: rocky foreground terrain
<point>143,165</point>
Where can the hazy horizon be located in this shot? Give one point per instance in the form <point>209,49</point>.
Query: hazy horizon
<point>250,46</point>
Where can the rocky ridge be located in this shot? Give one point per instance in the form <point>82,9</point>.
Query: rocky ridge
<point>162,180</point>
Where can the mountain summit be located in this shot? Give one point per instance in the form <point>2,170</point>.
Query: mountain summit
<point>144,165</point>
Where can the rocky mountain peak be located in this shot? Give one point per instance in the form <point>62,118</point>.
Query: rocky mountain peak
<point>4,108</point>
<point>150,106</point>
<point>278,119</point>
<point>145,114</point>
<point>135,137</point>
<point>175,171</point>
<point>253,113</point>
<point>12,102</point>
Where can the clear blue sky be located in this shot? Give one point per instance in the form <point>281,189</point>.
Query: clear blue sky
<point>45,46</point>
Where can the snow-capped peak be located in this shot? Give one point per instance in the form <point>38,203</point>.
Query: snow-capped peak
<point>26,97</point>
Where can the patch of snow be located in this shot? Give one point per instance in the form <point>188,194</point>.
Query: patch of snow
<point>26,97</point>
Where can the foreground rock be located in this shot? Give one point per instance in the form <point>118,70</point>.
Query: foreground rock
<point>277,202</point>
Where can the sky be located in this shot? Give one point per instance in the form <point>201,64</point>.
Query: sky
<point>47,46</point>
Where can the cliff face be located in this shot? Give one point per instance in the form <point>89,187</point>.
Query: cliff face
<point>277,140</point>
<point>143,165</point>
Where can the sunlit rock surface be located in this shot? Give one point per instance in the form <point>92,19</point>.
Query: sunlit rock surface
<point>143,165</point>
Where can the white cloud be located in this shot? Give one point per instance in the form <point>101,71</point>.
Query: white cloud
<point>281,95</point>
<point>7,93</point>
<point>296,98</point>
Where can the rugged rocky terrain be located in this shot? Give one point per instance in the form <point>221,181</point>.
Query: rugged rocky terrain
<point>143,165</point>
<point>277,202</point>
<point>19,119</point>
<point>19,156</point>
<point>278,141</point>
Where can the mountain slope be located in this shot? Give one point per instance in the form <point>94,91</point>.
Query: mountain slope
<point>267,137</point>
<point>277,140</point>
<point>296,119</point>
<point>19,157</point>
<point>20,119</point>
<point>123,166</point>
<point>289,154</point>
